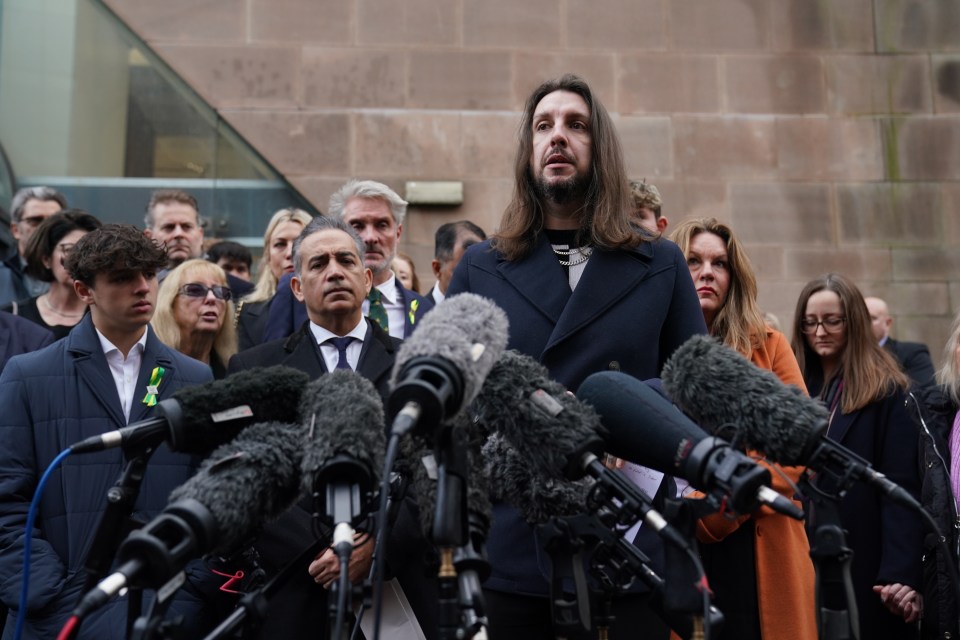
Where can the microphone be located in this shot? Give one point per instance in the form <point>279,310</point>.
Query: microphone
<point>720,388</point>
<point>199,418</point>
<point>344,449</point>
<point>539,498</point>
<point>645,428</point>
<point>242,484</point>
<point>560,436</point>
<point>441,367</point>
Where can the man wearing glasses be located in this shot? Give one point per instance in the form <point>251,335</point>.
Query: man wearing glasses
<point>30,207</point>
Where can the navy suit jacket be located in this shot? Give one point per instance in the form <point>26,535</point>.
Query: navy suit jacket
<point>629,312</point>
<point>51,399</point>
<point>914,359</point>
<point>287,313</point>
<point>19,335</point>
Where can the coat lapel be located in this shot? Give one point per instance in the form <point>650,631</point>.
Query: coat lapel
<point>540,279</point>
<point>841,424</point>
<point>304,353</point>
<point>608,277</point>
<point>152,357</point>
<point>93,370</point>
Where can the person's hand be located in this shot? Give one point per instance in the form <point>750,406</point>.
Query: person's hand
<point>325,568</point>
<point>901,600</point>
<point>612,462</point>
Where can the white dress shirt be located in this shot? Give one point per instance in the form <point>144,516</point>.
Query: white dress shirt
<point>125,371</point>
<point>331,355</point>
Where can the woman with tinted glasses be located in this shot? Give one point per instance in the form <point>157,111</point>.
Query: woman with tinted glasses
<point>195,314</point>
<point>59,309</point>
<point>775,600</point>
<point>864,391</point>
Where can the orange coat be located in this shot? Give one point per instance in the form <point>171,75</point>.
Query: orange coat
<point>785,576</point>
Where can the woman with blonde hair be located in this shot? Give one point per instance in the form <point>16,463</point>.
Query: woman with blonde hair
<point>252,311</point>
<point>775,600</point>
<point>864,391</point>
<point>195,315</point>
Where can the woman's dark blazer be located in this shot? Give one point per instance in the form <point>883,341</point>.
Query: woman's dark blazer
<point>887,539</point>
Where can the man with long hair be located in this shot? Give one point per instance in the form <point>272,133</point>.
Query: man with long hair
<point>585,291</point>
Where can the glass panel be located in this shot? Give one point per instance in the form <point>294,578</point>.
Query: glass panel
<point>87,108</point>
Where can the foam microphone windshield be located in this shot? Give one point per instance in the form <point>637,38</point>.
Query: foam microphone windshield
<point>423,474</point>
<point>198,418</point>
<point>441,367</point>
<point>513,479</point>
<point>345,444</point>
<point>538,415</point>
<point>721,389</point>
<point>560,436</point>
<point>730,396</point>
<point>243,484</point>
<point>248,481</point>
<point>645,428</point>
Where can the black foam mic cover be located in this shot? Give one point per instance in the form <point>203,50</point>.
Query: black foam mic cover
<point>722,390</point>
<point>346,440</point>
<point>247,481</point>
<point>196,419</point>
<point>538,415</point>
<point>539,498</point>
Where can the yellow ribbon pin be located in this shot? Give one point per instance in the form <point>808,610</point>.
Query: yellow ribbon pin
<point>153,387</point>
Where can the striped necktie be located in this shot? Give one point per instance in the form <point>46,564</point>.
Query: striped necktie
<point>378,312</point>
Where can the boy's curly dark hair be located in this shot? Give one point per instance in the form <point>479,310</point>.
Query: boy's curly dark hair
<point>114,247</point>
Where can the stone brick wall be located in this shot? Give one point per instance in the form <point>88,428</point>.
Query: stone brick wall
<point>827,132</point>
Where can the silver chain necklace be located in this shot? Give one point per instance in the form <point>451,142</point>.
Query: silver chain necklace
<point>584,252</point>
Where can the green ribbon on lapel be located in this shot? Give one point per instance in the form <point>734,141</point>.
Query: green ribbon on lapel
<point>414,305</point>
<point>153,388</point>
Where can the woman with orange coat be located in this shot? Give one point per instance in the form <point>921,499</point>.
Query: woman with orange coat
<point>777,599</point>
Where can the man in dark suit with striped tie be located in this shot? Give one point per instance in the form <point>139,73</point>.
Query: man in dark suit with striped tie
<point>331,279</point>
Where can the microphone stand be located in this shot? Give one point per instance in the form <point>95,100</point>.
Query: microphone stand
<point>832,560</point>
<point>450,523</point>
<point>115,524</point>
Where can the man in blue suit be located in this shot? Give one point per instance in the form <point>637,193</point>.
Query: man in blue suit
<point>376,212</point>
<point>109,372</point>
<point>585,290</point>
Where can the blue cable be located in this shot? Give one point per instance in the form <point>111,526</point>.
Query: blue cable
<point>27,543</point>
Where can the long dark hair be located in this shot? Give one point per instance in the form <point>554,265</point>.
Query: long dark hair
<point>606,212</point>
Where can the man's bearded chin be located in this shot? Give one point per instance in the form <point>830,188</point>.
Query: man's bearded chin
<point>572,189</point>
